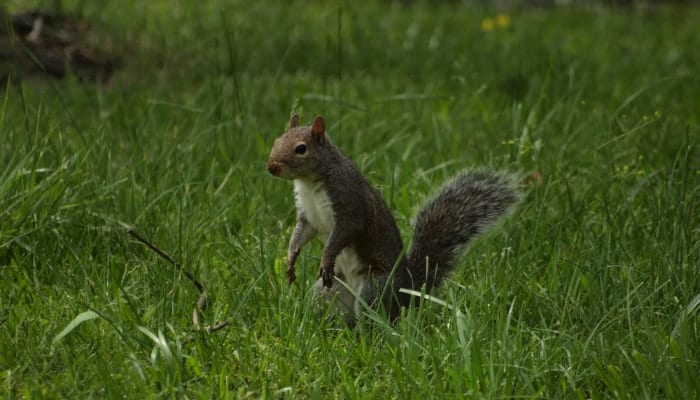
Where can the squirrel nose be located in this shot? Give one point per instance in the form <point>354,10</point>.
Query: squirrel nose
<point>273,167</point>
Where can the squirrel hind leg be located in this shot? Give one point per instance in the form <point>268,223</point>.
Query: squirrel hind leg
<point>335,301</point>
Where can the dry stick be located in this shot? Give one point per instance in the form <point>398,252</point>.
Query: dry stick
<point>201,301</point>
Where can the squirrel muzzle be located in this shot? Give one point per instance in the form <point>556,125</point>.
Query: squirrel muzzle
<point>274,167</point>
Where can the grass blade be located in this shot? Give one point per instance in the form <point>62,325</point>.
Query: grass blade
<point>82,317</point>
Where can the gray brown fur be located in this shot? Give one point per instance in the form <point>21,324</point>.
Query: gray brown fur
<point>362,218</point>
<point>463,208</point>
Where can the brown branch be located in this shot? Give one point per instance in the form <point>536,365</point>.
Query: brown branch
<point>201,301</point>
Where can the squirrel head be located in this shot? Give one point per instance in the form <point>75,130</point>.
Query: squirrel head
<point>298,153</point>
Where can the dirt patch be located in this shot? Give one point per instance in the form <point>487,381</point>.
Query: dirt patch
<point>45,44</point>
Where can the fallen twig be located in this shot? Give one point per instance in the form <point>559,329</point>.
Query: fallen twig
<point>201,301</point>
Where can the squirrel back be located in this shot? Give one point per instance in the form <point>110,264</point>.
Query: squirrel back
<point>360,233</point>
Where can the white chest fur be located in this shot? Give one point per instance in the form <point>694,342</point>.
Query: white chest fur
<point>313,201</point>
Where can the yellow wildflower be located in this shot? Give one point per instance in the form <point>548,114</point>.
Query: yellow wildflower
<point>502,20</point>
<point>487,25</point>
<point>497,22</point>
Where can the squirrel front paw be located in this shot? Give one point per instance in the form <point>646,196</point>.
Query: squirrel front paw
<point>326,275</point>
<point>291,276</point>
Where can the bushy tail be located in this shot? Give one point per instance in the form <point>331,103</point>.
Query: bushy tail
<point>465,207</point>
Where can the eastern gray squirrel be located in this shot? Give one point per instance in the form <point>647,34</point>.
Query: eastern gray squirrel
<point>363,247</point>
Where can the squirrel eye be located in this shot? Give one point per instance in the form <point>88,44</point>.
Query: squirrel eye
<point>300,149</point>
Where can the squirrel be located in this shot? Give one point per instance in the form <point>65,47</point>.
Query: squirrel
<point>362,243</point>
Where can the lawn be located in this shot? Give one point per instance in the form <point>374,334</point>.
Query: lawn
<point>590,290</point>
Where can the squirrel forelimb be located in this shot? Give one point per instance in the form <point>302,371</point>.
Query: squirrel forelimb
<point>340,238</point>
<point>303,233</point>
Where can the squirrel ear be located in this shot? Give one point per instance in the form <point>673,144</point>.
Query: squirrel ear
<point>318,129</point>
<point>294,121</point>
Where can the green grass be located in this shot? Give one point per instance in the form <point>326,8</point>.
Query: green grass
<point>588,291</point>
